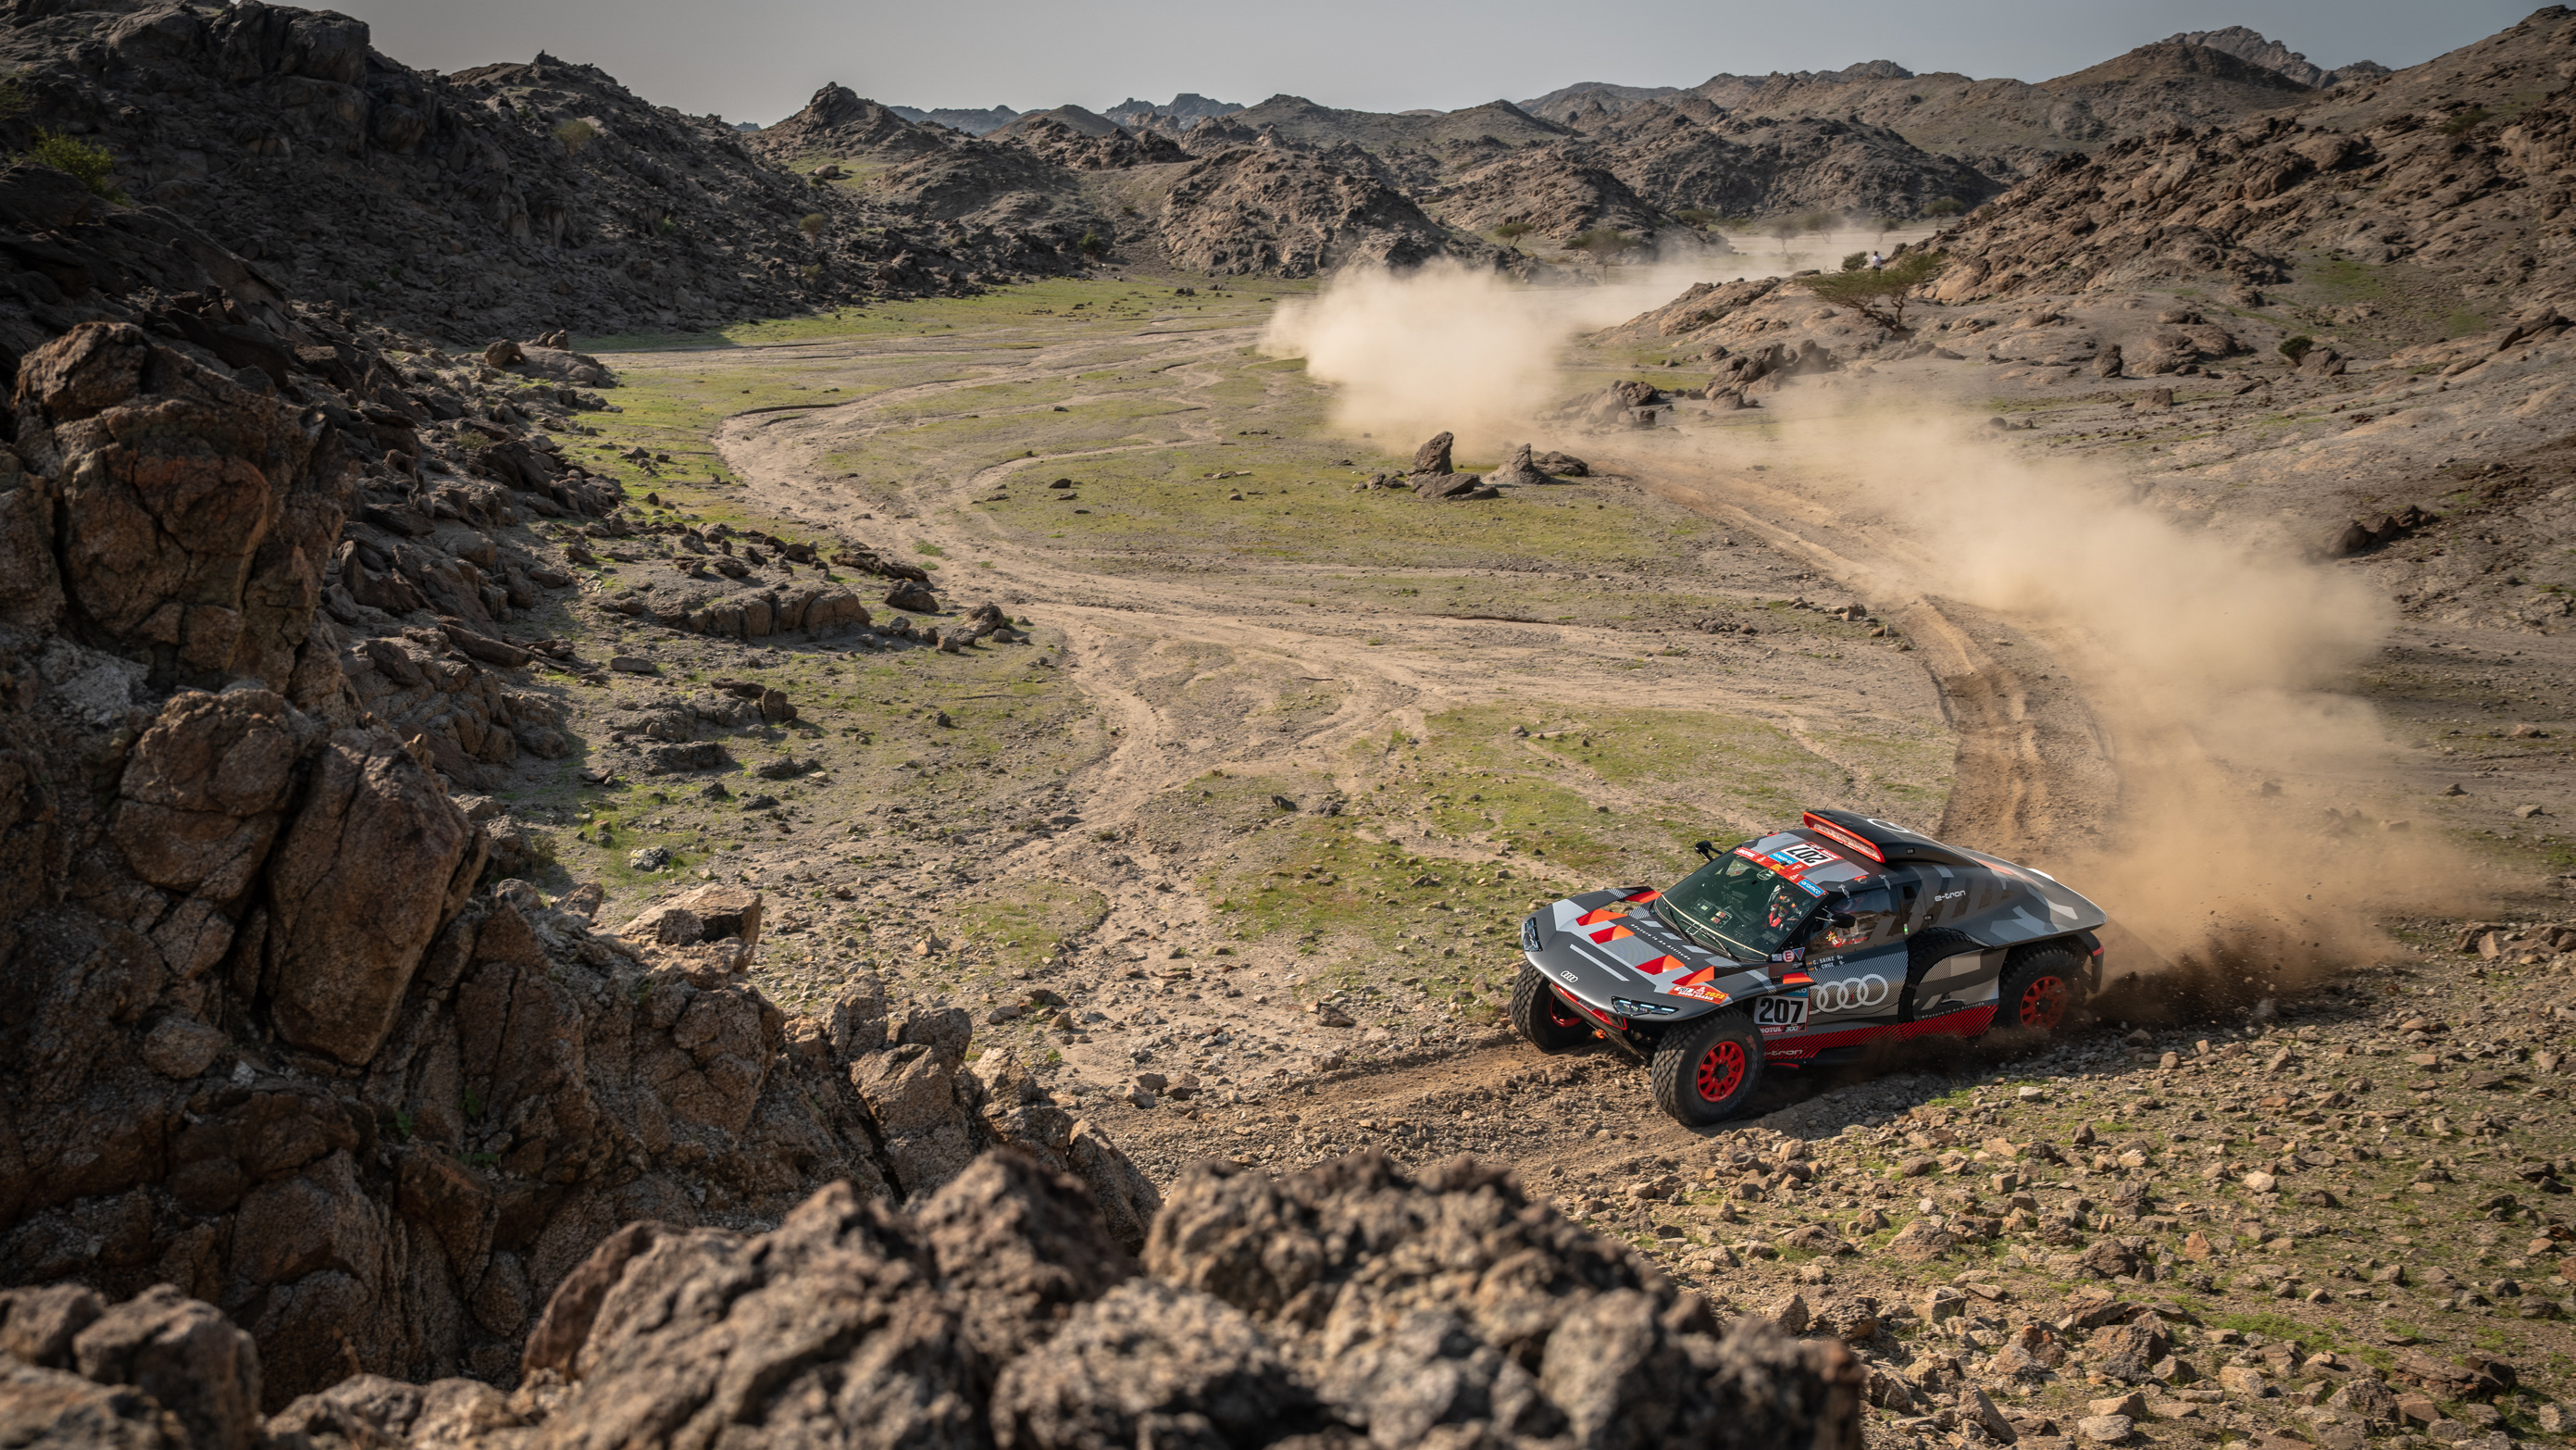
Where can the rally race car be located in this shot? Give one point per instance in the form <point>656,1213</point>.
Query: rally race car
<point>1802,948</point>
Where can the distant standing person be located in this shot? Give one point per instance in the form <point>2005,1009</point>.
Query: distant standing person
<point>1876,262</point>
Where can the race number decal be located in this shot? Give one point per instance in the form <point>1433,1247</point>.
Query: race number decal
<point>1775,1014</point>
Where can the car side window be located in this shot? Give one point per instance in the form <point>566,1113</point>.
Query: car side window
<point>1873,918</point>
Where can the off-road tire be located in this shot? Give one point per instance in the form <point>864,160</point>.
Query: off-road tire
<point>1541,1017</point>
<point>1706,1071</point>
<point>2040,986</point>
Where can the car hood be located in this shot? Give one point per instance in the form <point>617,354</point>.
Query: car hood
<point>1605,947</point>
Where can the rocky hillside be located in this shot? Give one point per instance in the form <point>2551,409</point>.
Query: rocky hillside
<point>1048,180</point>
<point>281,1029</point>
<point>1347,1305</point>
<point>507,200</point>
<point>2456,172</point>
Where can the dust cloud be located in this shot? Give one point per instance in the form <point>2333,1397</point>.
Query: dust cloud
<point>1450,348</point>
<point>2186,785</point>
<point>2166,736</point>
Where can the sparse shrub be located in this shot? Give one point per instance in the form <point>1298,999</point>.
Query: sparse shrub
<point>1602,242</point>
<point>1855,261</point>
<point>812,225</point>
<point>1510,232</point>
<point>1127,211</point>
<point>1945,206</point>
<point>665,226</point>
<point>1881,295</point>
<point>14,101</point>
<point>1696,218</point>
<point>2296,348</point>
<point>87,163</point>
<point>1886,223</point>
<point>1817,221</point>
<point>1090,244</point>
<point>575,134</point>
<point>2465,122</point>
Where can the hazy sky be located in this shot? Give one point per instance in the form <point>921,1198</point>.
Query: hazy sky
<point>757,60</point>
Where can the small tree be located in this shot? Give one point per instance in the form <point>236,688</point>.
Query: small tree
<point>1510,233</point>
<point>1946,206</point>
<point>813,224</point>
<point>575,134</point>
<point>1603,243</point>
<point>1698,219</point>
<point>2296,349</point>
<point>1879,296</point>
<point>1817,221</point>
<point>1855,261</point>
<point>1785,231</point>
<point>1091,245</point>
<point>88,164</point>
<point>1887,223</point>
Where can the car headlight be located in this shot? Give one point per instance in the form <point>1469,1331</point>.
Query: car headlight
<point>1529,932</point>
<point>1626,1008</point>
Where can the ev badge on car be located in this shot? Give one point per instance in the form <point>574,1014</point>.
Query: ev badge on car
<point>1849,994</point>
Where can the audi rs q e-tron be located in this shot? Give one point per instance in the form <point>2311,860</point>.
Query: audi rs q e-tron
<point>1803,947</point>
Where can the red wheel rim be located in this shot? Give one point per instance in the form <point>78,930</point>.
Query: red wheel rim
<point>1562,1015</point>
<point>2043,1003</point>
<point>1721,1071</point>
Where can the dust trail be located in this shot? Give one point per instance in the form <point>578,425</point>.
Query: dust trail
<point>2206,661</point>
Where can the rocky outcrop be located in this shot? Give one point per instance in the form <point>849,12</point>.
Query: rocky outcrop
<point>2450,190</point>
<point>1256,211</point>
<point>1343,1305</point>
<point>270,1039</point>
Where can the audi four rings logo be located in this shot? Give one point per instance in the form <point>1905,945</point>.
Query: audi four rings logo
<point>1849,994</point>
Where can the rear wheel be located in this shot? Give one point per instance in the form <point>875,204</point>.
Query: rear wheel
<point>1707,1071</point>
<point>2038,990</point>
<point>1541,1016</point>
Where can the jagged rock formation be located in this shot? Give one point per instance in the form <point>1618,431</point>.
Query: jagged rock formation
<point>267,1036</point>
<point>1294,216</point>
<point>2252,45</point>
<point>1067,146</point>
<point>964,120</point>
<point>1345,1303</point>
<point>2008,128</point>
<point>2458,196</point>
<point>1182,112</point>
<point>506,200</point>
<point>1586,104</point>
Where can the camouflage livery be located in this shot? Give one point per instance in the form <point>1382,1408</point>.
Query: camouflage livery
<point>1875,933</point>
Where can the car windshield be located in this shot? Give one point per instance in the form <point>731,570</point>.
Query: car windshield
<point>1737,907</point>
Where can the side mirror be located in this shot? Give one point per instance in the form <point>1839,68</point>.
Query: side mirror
<point>1706,851</point>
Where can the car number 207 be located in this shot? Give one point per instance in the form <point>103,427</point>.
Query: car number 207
<point>1778,1012</point>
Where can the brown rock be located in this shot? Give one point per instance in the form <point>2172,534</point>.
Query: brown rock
<point>913,596</point>
<point>1433,456</point>
<point>1920,1241</point>
<point>202,795</point>
<point>365,876</point>
<point>47,1408</point>
<point>184,1354</point>
<point>714,912</point>
<point>37,1325</point>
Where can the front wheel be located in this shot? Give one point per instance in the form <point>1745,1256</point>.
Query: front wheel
<point>2038,990</point>
<point>1706,1072</point>
<point>1541,1016</point>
